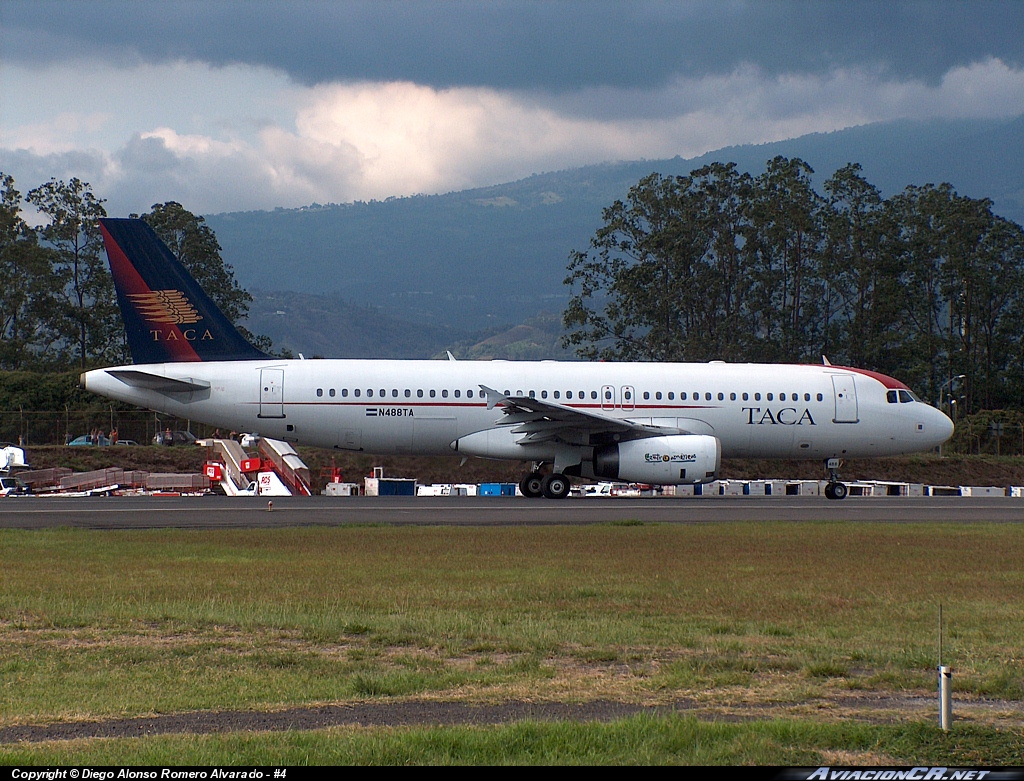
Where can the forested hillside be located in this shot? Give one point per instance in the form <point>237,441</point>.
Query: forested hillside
<point>497,255</point>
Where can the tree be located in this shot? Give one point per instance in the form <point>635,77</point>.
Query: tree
<point>926,286</point>
<point>782,259</point>
<point>662,279</point>
<point>87,318</point>
<point>195,245</point>
<point>863,294</point>
<point>27,288</point>
<point>632,299</point>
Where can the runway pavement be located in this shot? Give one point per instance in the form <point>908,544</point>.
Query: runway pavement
<point>223,512</point>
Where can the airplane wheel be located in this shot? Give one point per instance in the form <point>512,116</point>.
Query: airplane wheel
<point>555,486</point>
<point>532,486</point>
<point>836,491</point>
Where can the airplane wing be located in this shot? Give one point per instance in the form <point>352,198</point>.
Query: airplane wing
<point>541,421</point>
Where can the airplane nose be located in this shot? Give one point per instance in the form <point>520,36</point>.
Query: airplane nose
<point>943,427</point>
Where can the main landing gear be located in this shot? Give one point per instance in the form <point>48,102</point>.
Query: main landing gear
<point>553,486</point>
<point>834,489</point>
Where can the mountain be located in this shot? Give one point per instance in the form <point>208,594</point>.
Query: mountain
<point>330,327</point>
<point>495,256</point>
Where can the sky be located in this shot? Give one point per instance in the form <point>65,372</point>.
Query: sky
<point>228,105</point>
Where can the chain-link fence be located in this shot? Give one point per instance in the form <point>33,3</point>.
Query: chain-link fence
<point>61,427</point>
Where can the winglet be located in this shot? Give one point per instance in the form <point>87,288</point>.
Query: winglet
<point>450,356</point>
<point>493,397</point>
<point>824,360</point>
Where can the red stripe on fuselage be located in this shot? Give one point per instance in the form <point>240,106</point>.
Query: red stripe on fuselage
<point>889,382</point>
<point>131,283</point>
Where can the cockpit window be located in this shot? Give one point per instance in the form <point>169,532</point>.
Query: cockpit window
<point>891,397</point>
<point>906,397</point>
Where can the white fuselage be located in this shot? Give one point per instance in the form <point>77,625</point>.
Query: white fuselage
<point>424,407</point>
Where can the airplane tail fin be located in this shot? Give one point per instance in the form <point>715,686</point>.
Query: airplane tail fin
<point>167,316</point>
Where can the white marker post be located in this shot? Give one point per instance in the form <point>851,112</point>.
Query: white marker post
<point>945,686</point>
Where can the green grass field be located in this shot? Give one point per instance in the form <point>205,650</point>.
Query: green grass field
<point>795,627</point>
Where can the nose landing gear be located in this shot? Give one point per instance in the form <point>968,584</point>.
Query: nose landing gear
<point>835,489</point>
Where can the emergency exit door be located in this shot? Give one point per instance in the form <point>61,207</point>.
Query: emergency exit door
<point>271,393</point>
<point>846,398</point>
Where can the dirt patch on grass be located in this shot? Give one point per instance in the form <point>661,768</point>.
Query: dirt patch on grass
<point>874,708</point>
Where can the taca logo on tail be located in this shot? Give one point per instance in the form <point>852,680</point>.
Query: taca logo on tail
<point>167,316</point>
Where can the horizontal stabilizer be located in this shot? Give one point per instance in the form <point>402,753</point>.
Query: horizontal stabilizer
<point>155,382</point>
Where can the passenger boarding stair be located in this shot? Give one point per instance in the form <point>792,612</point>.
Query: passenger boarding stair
<point>233,480</point>
<point>286,462</point>
<point>280,470</point>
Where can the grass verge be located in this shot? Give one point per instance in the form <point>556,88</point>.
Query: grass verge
<point>790,620</point>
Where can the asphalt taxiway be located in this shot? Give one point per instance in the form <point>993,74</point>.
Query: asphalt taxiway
<point>147,512</point>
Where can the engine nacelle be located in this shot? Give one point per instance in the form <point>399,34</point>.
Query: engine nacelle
<point>679,459</point>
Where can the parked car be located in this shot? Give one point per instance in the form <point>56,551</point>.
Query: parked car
<point>86,439</point>
<point>12,486</point>
<point>176,438</point>
<point>126,442</point>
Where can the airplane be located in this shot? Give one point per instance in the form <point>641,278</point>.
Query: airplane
<point>657,423</point>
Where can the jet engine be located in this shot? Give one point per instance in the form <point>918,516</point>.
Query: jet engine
<point>679,459</point>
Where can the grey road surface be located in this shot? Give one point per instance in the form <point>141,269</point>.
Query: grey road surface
<point>224,512</point>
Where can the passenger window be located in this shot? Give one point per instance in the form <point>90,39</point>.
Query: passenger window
<point>331,393</point>
<point>356,392</point>
<point>394,393</point>
<point>682,396</point>
<point>319,391</point>
<point>533,394</point>
<point>543,394</point>
<point>433,393</point>
<point>782,397</point>
<point>419,393</point>
<point>820,397</point>
<point>647,395</point>
<point>369,392</point>
<point>746,396</point>
<point>444,393</point>
<point>732,397</point>
<point>608,395</point>
<point>707,397</point>
<point>671,396</point>
<point>344,393</point>
<point>807,397</point>
<point>458,394</point>
<point>658,395</point>
<point>469,394</point>
<point>384,392</point>
<point>628,395</point>
<point>770,397</point>
<point>721,397</point>
<point>593,394</point>
<point>757,397</point>
<point>568,394</point>
<point>408,393</point>
<point>556,394</point>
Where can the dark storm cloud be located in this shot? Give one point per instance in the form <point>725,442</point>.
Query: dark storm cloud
<point>553,46</point>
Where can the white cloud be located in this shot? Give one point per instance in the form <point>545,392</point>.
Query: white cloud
<point>220,139</point>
